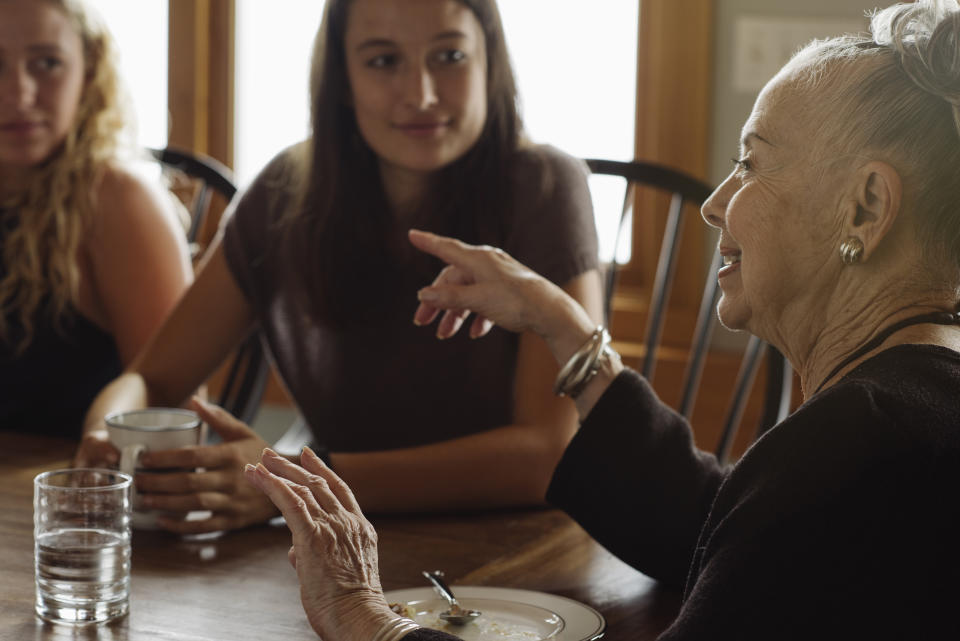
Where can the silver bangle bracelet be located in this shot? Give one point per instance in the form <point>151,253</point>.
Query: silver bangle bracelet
<point>584,364</point>
<point>573,368</point>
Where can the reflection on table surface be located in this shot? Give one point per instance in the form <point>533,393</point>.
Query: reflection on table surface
<point>240,585</point>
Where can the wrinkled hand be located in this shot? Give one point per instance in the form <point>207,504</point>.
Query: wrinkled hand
<point>219,487</point>
<point>334,547</point>
<point>96,451</point>
<point>487,282</point>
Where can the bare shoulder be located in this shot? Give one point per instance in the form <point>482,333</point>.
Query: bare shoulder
<point>127,201</point>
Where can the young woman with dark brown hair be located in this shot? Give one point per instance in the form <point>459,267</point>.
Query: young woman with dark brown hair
<point>415,124</point>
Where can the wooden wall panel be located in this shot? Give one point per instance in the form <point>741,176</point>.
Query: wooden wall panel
<point>200,80</point>
<point>673,115</point>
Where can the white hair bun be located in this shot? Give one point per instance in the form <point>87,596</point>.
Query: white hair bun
<point>926,34</point>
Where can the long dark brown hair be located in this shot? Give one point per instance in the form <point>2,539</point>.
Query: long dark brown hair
<point>343,239</point>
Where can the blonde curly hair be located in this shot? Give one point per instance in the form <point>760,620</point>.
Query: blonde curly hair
<point>55,207</point>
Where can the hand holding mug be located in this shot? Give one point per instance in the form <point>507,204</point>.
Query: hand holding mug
<point>208,479</point>
<point>135,432</point>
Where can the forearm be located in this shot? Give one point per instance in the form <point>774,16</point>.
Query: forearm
<point>506,466</point>
<point>128,391</point>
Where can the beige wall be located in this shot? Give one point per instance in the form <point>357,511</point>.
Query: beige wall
<point>732,106</point>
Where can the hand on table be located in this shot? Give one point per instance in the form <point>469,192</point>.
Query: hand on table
<point>219,487</point>
<point>334,546</point>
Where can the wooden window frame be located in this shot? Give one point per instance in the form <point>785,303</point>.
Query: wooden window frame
<point>672,128</point>
<point>201,77</point>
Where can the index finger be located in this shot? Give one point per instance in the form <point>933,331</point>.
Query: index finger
<point>449,250</point>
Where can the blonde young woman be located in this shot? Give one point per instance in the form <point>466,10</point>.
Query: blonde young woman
<point>93,257</point>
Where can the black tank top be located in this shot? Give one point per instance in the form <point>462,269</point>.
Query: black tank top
<point>47,388</point>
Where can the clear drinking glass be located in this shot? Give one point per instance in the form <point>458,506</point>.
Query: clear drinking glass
<point>81,521</point>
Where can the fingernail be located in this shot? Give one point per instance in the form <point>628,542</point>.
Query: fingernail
<point>249,467</point>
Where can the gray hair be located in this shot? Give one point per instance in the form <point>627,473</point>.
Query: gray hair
<point>895,94</point>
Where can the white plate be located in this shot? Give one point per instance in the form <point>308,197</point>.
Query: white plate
<point>508,614</point>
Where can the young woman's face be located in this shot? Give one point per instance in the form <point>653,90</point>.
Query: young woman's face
<point>418,80</point>
<point>41,81</point>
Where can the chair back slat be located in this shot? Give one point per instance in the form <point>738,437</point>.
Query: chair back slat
<point>246,380</point>
<point>738,401</point>
<point>662,282</point>
<point>778,391</point>
<point>706,316</point>
<point>610,279</point>
<point>210,176</point>
<point>198,213</point>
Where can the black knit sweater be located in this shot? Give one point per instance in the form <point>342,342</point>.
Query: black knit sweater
<point>840,523</point>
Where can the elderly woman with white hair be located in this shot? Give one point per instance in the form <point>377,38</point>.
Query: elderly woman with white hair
<point>840,232</point>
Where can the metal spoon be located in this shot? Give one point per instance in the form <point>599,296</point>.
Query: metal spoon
<point>456,614</point>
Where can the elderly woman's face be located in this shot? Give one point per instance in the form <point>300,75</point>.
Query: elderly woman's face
<point>41,80</point>
<point>777,216</point>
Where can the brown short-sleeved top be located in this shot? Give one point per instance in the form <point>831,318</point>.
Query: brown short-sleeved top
<point>391,384</point>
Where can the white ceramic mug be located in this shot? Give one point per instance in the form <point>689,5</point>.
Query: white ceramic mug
<point>156,428</point>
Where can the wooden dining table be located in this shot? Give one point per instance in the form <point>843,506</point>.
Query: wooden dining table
<point>240,585</point>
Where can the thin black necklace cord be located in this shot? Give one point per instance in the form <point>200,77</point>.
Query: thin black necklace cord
<point>936,318</point>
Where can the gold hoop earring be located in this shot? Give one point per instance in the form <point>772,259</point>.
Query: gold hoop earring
<point>851,251</point>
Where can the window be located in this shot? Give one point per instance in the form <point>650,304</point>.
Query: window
<point>274,42</point>
<point>143,61</point>
<point>576,74</point>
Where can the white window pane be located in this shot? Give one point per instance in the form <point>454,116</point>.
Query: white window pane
<point>274,41</point>
<point>577,78</point>
<point>140,30</point>
<point>576,72</point>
